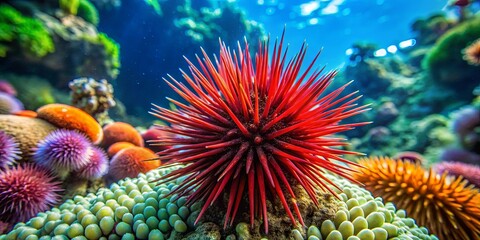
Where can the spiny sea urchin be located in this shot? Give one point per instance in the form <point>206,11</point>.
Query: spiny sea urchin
<point>63,150</point>
<point>26,190</point>
<point>471,54</point>
<point>9,150</point>
<point>97,165</point>
<point>468,171</point>
<point>449,207</point>
<point>255,128</point>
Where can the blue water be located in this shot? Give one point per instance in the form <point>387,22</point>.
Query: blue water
<point>149,51</point>
<point>383,22</point>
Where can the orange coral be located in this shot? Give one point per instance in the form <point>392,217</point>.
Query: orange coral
<point>121,132</point>
<point>449,207</point>
<point>25,113</point>
<point>471,54</point>
<point>117,147</point>
<point>68,117</point>
<point>131,161</point>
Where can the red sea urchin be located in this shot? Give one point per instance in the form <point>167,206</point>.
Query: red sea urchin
<point>255,128</point>
<point>26,190</point>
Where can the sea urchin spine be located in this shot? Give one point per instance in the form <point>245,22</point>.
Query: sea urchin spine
<point>448,207</point>
<point>255,128</point>
<point>26,190</point>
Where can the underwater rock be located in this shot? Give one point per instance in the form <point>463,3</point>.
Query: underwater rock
<point>459,155</point>
<point>386,113</point>
<point>93,97</point>
<point>429,29</point>
<point>466,124</point>
<point>35,92</point>
<point>370,76</point>
<point>78,49</point>
<point>27,132</point>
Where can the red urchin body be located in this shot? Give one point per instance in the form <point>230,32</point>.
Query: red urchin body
<point>26,190</point>
<point>255,128</point>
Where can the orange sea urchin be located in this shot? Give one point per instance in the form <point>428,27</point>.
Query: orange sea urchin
<point>448,207</point>
<point>255,128</point>
<point>471,54</point>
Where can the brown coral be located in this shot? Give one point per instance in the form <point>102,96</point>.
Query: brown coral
<point>27,131</point>
<point>448,207</point>
<point>471,54</point>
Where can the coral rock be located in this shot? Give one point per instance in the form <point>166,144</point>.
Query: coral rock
<point>131,161</point>
<point>120,132</point>
<point>26,131</point>
<point>68,117</point>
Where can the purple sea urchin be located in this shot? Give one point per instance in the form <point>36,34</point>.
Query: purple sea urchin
<point>63,150</point>
<point>26,190</point>
<point>97,165</point>
<point>457,169</point>
<point>9,150</point>
<point>255,129</point>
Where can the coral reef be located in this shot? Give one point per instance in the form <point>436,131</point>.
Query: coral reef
<point>26,190</point>
<point>248,131</point>
<point>88,12</point>
<point>120,132</point>
<point>140,209</point>
<point>428,30</point>
<point>93,97</point>
<point>27,132</point>
<point>52,40</point>
<point>449,208</point>
<point>445,62</point>
<point>35,92</point>
<point>9,151</point>
<point>22,33</point>
<point>69,117</point>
